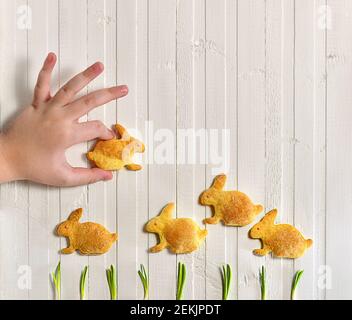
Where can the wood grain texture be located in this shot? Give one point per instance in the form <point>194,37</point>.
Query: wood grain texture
<point>162,115</point>
<point>190,104</point>
<point>216,109</point>
<point>339,151</point>
<point>272,77</point>
<point>251,133</point>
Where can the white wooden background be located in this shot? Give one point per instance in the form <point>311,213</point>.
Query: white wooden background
<point>271,71</point>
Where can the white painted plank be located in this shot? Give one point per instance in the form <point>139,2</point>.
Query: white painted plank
<point>231,69</point>
<point>13,196</point>
<point>141,96</point>
<point>339,152</point>
<point>216,114</point>
<point>320,141</point>
<point>309,87</point>
<point>44,206</point>
<point>190,104</point>
<point>199,97</point>
<point>251,133</point>
<point>73,59</point>
<point>127,180</point>
<point>278,283</point>
<point>287,131</point>
<point>102,196</point>
<point>162,113</point>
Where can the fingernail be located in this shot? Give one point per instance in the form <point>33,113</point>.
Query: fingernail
<point>108,177</point>
<point>124,90</point>
<point>98,67</point>
<point>50,57</point>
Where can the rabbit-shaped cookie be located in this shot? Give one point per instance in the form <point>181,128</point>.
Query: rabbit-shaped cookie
<point>234,208</point>
<point>88,238</point>
<point>181,235</point>
<point>283,240</point>
<point>117,153</point>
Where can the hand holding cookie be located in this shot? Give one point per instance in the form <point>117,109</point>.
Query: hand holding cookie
<point>33,146</point>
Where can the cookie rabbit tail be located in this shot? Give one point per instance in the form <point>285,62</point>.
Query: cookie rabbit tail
<point>309,243</point>
<point>259,208</point>
<point>114,237</point>
<point>90,156</point>
<point>203,233</point>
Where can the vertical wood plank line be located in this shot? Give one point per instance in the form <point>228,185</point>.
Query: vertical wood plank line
<point>117,173</point>
<point>237,144</point>
<point>176,125</point>
<point>28,204</point>
<point>206,146</point>
<point>148,115</point>
<point>326,144</point>
<point>59,79</point>
<point>294,120</point>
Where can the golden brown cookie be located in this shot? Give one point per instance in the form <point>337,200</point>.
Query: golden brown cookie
<point>181,235</point>
<point>283,240</point>
<point>117,153</point>
<point>234,208</point>
<point>88,238</point>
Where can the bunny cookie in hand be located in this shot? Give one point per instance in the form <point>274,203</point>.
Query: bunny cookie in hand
<point>234,208</point>
<point>88,238</point>
<point>181,235</point>
<point>117,153</point>
<point>283,240</point>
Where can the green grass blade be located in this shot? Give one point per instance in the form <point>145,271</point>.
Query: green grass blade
<point>295,282</point>
<point>181,280</point>
<point>223,279</point>
<point>229,280</point>
<point>56,276</point>
<point>112,282</point>
<point>262,277</point>
<point>145,281</point>
<point>82,284</point>
<point>114,279</point>
<point>226,276</point>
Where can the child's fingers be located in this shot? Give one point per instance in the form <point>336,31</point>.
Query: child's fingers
<point>91,130</point>
<point>95,99</point>
<point>84,176</point>
<point>66,94</point>
<point>42,88</point>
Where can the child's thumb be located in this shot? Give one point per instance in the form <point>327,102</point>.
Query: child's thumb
<point>84,176</point>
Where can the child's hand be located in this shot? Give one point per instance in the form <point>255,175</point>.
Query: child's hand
<point>33,147</point>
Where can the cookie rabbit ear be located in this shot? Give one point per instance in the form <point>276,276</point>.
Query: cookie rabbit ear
<point>76,215</point>
<point>122,132</point>
<point>167,211</point>
<point>270,216</point>
<point>219,182</point>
